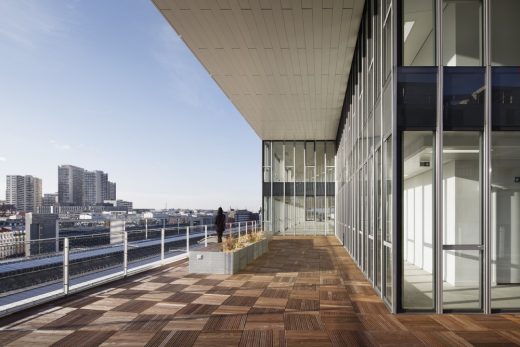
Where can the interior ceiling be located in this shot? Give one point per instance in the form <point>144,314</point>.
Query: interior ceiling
<point>284,64</point>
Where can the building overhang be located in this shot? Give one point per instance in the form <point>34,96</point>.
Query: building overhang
<point>283,64</point>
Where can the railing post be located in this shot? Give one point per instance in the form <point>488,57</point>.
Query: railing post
<point>162,244</point>
<point>66,266</point>
<point>206,236</point>
<point>238,229</point>
<point>125,252</point>
<point>146,229</point>
<point>188,240</point>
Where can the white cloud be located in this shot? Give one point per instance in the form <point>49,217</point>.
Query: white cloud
<point>60,146</point>
<point>26,23</point>
<point>3,159</point>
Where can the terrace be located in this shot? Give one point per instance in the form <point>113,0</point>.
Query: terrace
<point>305,291</point>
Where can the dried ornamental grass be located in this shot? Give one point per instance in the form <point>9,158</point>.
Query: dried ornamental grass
<point>231,243</point>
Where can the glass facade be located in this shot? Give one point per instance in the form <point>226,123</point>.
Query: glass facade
<point>427,162</point>
<point>365,152</point>
<point>299,187</point>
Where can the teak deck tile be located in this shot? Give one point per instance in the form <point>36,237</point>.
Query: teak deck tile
<point>83,339</point>
<point>135,306</point>
<point>173,338</point>
<point>219,338</point>
<point>128,339</point>
<point>305,291</point>
<point>74,320</point>
<point>39,338</point>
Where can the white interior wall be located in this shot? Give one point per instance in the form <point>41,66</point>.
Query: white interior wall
<point>461,46</point>
<point>418,223</point>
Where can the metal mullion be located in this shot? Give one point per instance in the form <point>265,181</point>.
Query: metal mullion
<point>486,285</point>
<point>438,302</point>
<point>396,280</point>
<point>284,178</point>
<point>304,187</point>
<point>294,188</point>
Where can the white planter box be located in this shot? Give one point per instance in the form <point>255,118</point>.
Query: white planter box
<point>226,263</point>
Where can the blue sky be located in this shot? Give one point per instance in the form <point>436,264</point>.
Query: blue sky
<point>109,85</point>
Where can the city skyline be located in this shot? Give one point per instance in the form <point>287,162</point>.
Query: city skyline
<point>156,121</point>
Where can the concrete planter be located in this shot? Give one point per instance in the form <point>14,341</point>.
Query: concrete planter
<point>226,263</point>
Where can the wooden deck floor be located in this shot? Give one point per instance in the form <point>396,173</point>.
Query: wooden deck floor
<point>304,292</point>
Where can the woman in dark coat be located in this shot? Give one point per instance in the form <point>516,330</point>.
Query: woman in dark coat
<point>220,223</point>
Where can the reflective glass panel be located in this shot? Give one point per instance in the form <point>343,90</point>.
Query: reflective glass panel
<point>463,99</point>
<point>416,97</point>
<point>505,97</point>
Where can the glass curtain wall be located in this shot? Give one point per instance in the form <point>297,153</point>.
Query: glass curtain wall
<point>458,143</point>
<point>364,169</point>
<point>299,187</point>
<point>427,166</point>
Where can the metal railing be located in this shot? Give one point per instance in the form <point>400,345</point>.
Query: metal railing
<point>51,268</point>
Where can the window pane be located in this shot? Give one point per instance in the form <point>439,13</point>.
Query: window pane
<point>417,233</point>
<point>416,97</point>
<point>505,97</point>
<point>320,161</point>
<point>387,48</point>
<point>388,270</point>
<point>378,221</point>
<point>461,188</point>
<point>330,153</point>
<point>387,171</point>
<point>309,208</point>
<point>267,153</point>
<point>299,164</point>
<point>462,32</point>
<point>418,33</point>
<point>505,221</point>
<point>503,51</point>
<point>463,99</point>
<point>309,153</point>
<point>289,153</point>
<point>462,277</point>
<point>278,167</point>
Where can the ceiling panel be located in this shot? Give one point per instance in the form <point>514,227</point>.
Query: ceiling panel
<point>283,64</point>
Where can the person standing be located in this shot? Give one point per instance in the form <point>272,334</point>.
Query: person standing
<point>220,224</point>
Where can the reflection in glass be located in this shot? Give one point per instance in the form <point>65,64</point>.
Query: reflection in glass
<point>299,161</point>
<point>503,52</point>
<point>388,271</point>
<point>290,188</point>
<point>462,278</point>
<point>417,234</point>
<point>461,188</point>
<point>277,160</point>
<point>418,32</point>
<point>416,97</point>
<point>505,220</point>
<point>387,171</point>
<point>462,32</point>
<point>378,216</point>
<point>463,99</point>
<point>505,97</point>
<point>461,219</point>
